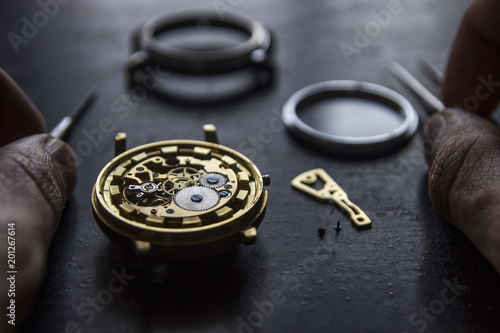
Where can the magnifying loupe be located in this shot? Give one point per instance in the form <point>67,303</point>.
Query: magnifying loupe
<point>350,118</point>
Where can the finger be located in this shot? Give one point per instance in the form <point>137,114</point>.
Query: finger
<point>451,122</point>
<point>472,79</point>
<point>38,174</point>
<point>20,117</point>
<point>464,178</point>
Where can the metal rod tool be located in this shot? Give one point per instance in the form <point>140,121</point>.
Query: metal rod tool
<point>418,88</point>
<point>60,130</point>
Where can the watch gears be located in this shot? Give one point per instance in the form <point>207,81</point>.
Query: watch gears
<point>146,188</point>
<point>179,199</point>
<point>196,198</point>
<point>145,194</point>
<point>181,178</point>
<point>213,180</point>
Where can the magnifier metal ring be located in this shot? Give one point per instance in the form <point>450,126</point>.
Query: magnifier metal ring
<point>351,145</point>
<point>150,50</point>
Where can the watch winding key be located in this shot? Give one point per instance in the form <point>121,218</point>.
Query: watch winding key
<point>179,199</point>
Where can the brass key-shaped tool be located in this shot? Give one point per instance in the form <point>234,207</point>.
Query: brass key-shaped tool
<point>330,191</point>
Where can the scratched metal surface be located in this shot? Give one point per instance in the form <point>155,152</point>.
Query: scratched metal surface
<point>411,272</point>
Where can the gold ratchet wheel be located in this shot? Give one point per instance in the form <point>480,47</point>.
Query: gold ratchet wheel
<point>179,199</point>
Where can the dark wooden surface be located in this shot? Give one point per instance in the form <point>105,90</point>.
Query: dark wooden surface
<point>378,280</point>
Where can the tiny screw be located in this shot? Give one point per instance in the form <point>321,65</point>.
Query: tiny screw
<point>196,198</point>
<point>321,233</point>
<point>170,211</point>
<point>212,180</point>
<point>228,186</point>
<point>140,169</point>
<point>338,227</point>
<point>224,193</point>
<point>155,174</point>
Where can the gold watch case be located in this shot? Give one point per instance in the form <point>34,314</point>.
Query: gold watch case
<point>179,199</point>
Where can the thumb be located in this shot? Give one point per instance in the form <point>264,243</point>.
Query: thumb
<point>38,173</point>
<point>463,150</point>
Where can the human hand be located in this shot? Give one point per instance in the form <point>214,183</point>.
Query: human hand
<point>37,175</point>
<point>472,80</point>
<point>463,148</point>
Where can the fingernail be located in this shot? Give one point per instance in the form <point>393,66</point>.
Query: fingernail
<point>52,146</point>
<point>63,154</point>
<point>432,129</point>
<point>435,125</point>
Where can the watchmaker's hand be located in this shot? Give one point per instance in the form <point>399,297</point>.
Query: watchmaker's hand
<point>463,148</point>
<point>464,180</point>
<point>472,79</point>
<point>37,175</point>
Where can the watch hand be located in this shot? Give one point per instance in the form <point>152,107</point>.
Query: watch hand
<point>330,191</point>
